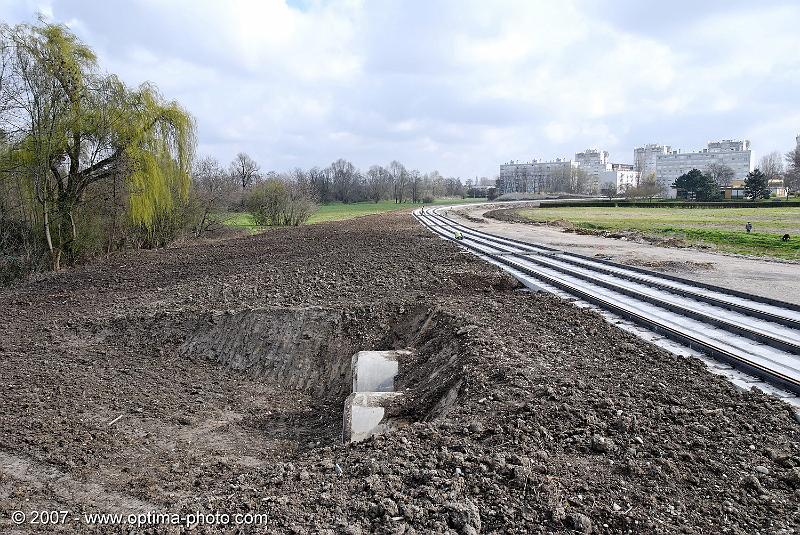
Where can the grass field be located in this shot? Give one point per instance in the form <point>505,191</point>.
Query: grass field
<point>721,227</point>
<point>339,211</point>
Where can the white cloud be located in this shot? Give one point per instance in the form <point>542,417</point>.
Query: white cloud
<point>455,85</point>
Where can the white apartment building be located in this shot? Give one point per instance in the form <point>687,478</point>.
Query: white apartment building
<point>593,161</point>
<point>644,158</point>
<point>531,177</point>
<point>598,166</point>
<point>621,174</point>
<point>735,154</point>
<point>670,164</point>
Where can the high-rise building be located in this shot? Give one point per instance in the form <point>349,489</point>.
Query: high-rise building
<point>593,161</point>
<point>533,176</point>
<point>644,158</point>
<point>734,154</point>
<point>669,164</point>
<point>601,171</point>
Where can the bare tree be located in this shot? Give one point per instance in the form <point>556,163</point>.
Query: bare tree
<point>400,180</point>
<point>771,165</point>
<point>320,181</point>
<point>649,187</point>
<point>609,189</point>
<point>416,180</point>
<point>245,170</point>
<point>213,192</point>
<point>640,188</point>
<point>722,174</point>
<point>378,181</point>
<point>345,178</point>
<point>792,178</point>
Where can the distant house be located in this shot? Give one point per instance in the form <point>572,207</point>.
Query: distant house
<point>777,188</point>
<point>734,191</point>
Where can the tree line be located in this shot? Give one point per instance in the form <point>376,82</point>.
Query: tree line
<point>290,198</point>
<point>563,179</point>
<point>89,165</point>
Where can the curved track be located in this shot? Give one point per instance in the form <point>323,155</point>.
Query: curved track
<point>758,335</point>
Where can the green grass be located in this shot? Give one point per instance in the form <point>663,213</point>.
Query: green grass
<point>338,211</point>
<point>721,227</point>
<point>240,220</point>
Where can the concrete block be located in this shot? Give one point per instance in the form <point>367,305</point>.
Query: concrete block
<point>374,371</point>
<point>364,414</point>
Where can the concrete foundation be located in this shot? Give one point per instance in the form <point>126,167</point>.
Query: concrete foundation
<point>364,414</point>
<point>374,371</point>
<point>373,389</point>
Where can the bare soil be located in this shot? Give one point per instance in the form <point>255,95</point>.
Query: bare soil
<point>211,378</point>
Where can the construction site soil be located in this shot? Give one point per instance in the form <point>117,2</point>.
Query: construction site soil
<point>211,378</point>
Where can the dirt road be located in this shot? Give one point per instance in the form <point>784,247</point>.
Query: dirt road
<point>211,378</point>
<point>770,278</point>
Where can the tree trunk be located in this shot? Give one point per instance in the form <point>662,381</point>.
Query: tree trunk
<point>55,254</point>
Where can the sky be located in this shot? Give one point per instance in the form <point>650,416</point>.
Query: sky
<point>459,86</point>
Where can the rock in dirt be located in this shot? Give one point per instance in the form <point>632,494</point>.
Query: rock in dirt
<point>464,517</point>
<point>580,523</point>
<point>602,444</point>
<point>792,477</point>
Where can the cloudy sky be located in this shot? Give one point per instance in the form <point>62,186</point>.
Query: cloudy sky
<point>459,86</point>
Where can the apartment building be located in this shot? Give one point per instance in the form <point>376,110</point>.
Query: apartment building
<point>534,176</point>
<point>669,164</point>
<point>621,174</point>
<point>644,158</point>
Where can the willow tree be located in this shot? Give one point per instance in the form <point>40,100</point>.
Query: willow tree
<point>70,126</point>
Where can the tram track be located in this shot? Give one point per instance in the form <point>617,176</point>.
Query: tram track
<point>759,336</point>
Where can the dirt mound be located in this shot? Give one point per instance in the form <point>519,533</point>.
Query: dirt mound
<point>209,378</point>
<point>509,215</point>
<point>670,266</point>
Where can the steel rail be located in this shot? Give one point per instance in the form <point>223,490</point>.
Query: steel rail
<point>647,279</point>
<point>737,360</point>
<point>712,287</point>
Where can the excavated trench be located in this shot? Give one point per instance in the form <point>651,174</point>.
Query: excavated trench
<point>308,351</point>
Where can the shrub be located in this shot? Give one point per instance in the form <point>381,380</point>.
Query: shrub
<point>277,202</point>
<point>21,250</point>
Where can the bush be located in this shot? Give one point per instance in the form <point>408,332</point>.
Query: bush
<point>428,199</point>
<point>21,252</point>
<point>276,202</point>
